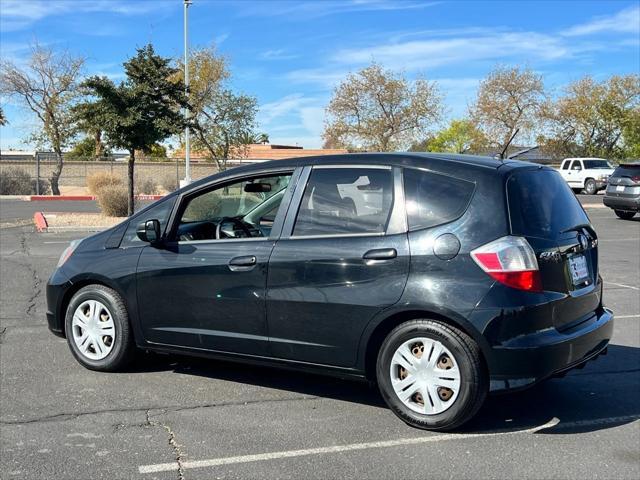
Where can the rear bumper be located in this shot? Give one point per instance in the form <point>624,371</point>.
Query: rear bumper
<point>528,359</point>
<point>622,203</point>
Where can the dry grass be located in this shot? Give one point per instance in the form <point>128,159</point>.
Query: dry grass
<point>97,181</point>
<point>81,220</point>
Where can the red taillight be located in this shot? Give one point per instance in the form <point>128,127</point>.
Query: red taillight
<point>527,280</point>
<point>635,179</point>
<point>511,261</point>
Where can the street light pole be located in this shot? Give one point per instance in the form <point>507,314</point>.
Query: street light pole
<point>187,149</point>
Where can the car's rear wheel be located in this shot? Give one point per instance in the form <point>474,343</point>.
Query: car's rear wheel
<point>97,329</point>
<point>624,215</point>
<point>590,187</point>
<point>431,375</point>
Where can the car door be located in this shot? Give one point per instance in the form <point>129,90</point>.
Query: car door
<point>574,175</point>
<point>205,286</point>
<point>342,258</point>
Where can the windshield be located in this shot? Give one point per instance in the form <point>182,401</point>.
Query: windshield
<point>541,204</point>
<point>597,164</point>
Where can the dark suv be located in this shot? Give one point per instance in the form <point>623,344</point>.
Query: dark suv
<point>440,277</point>
<point>623,191</point>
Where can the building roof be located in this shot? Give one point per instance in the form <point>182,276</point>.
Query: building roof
<point>268,151</point>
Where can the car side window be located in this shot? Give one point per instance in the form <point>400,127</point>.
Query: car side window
<point>160,211</point>
<point>433,199</point>
<point>343,201</point>
<point>565,165</point>
<point>243,209</point>
<point>576,165</point>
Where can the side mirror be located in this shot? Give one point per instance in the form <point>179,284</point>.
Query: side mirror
<point>149,231</point>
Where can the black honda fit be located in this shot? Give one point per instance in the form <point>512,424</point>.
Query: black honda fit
<point>440,277</point>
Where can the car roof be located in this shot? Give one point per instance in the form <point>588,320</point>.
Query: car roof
<point>415,159</point>
<point>432,161</point>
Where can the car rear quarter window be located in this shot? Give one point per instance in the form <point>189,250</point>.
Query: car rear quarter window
<point>541,204</point>
<point>433,199</point>
<point>345,201</point>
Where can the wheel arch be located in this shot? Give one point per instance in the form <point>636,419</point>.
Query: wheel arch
<point>372,340</point>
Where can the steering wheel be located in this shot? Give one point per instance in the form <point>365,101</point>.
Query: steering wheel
<point>233,220</point>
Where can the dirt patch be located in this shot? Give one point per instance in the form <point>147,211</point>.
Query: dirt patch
<point>57,220</point>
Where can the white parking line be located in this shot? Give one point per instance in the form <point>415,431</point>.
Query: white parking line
<point>628,316</point>
<point>215,462</point>
<point>622,285</point>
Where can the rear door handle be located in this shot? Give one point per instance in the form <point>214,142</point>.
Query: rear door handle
<point>242,264</point>
<point>381,254</point>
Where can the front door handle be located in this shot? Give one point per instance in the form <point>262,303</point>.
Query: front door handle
<point>242,264</point>
<point>381,254</point>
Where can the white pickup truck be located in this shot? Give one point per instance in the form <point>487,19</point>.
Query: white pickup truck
<point>588,174</point>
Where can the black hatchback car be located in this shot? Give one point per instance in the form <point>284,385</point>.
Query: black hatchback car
<point>440,277</point>
<point>623,191</point>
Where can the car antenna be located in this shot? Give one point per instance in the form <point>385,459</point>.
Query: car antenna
<point>504,150</point>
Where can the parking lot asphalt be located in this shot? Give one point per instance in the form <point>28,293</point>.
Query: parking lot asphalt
<point>173,417</point>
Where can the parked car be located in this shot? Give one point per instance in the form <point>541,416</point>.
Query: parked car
<point>440,277</point>
<point>623,191</point>
<point>586,174</point>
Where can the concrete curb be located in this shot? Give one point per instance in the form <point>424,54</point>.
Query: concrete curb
<point>42,225</point>
<point>41,222</point>
<point>76,198</point>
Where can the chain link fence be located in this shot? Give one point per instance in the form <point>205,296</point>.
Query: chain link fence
<point>31,177</point>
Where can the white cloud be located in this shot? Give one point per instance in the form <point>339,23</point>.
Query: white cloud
<point>320,8</point>
<point>20,14</point>
<point>278,54</point>
<point>625,21</point>
<point>430,53</point>
<point>293,119</point>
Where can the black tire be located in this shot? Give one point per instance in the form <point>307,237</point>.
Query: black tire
<point>590,187</point>
<point>123,348</point>
<point>624,215</point>
<point>474,380</point>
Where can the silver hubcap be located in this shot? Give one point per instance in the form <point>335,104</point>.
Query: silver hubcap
<point>94,332</point>
<point>425,376</point>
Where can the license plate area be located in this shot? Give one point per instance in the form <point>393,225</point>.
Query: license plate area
<point>620,188</point>
<point>578,269</point>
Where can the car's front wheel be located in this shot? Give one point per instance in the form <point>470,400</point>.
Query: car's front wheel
<point>624,215</point>
<point>97,329</point>
<point>431,375</point>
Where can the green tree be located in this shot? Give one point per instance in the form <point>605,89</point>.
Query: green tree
<point>596,118</point>
<point>141,111</point>
<point>85,149</point>
<point>47,86</point>
<point>377,109</point>
<point>221,120</point>
<point>3,119</point>
<point>461,136</point>
<point>509,101</point>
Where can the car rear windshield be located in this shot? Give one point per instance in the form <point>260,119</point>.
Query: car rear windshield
<point>541,204</point>
<point>627,171</point>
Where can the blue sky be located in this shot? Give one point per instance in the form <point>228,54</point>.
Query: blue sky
<point>290,55</point>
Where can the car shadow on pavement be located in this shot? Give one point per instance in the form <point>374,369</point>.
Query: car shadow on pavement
<point>604,394</point>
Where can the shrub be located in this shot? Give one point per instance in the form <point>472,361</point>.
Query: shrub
<point>169,182</point>
<point>97,181</point>
<point>17,181</point>
<point>45,187</point>
<point>146,186</point>
<point>113,200</point>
